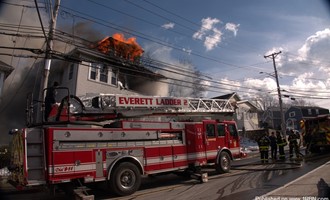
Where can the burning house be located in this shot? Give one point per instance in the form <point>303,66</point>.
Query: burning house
<point>112,65</point>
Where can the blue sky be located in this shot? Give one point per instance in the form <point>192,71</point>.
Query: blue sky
<point>225,40</point>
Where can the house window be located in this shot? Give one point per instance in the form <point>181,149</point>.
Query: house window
<point>93,71</point>
<point>104,74</point>
<point>113,77</point>
<point>71,71</point>
<point>309,111</point>
<point>292,114</point>
<point>317,111</point>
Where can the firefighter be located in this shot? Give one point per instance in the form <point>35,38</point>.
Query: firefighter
<point>263,143</point>
<point>281,143</point>
<point>293,144</point>
<point>307,141</point>
<point>273,146</point>
<point>50,99</point>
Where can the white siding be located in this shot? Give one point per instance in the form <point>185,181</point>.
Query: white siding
<point>86,85</point>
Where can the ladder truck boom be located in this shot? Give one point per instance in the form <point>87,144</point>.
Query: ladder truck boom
<point>133,104</point>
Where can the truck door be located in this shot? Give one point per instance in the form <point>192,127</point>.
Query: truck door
<point>232,138</point>
<point>221,137</point>
<point>211,146</point>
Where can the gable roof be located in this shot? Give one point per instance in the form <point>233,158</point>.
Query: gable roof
<point>310,111</point>
<point>248,103</point>
<point>233,95</point>
<point>308,107</point>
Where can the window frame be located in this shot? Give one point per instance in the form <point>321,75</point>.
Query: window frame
<point>102,73</point>
<point>93,70</point>
<point>232,130</point>
<point>212,130</point>
<point>223,133</point>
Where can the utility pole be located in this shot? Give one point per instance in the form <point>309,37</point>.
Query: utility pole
<point>49,47</point>
<point>273,56</point>
<point>48,56</point>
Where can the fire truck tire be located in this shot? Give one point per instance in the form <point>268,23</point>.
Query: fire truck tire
<point>224,162</point>
<point>125,179</point>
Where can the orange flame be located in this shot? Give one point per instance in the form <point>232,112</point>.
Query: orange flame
<point>121,47</point>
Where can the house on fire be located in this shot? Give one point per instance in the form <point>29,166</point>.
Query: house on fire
<point>110,67</point>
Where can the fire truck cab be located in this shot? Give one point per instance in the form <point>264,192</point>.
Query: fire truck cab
<point>120,152</point>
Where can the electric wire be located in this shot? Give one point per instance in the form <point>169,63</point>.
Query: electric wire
<point>153,39</point>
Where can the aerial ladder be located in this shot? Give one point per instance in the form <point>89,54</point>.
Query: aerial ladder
<point>101,107</point>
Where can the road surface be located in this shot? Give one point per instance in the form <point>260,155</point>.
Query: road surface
<point>243,182</point>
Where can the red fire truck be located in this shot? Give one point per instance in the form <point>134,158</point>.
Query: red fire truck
<point>118,139</point>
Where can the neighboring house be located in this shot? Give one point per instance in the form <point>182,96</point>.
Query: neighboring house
<point>295,114</point>
<point>93,71</point>
<point>246,114</point>
<point>271,118</point>
<point>5,71</point>
<point>232,97</point>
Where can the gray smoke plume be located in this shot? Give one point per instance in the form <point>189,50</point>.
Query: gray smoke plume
<point>27,75</point>
<point>22,80</point>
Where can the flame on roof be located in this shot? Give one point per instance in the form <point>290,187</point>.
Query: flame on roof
<point>119,46</point>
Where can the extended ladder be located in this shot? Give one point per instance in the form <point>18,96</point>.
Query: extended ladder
<point>131,105</point>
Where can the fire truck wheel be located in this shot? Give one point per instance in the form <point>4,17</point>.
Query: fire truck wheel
<point>125,179</point>
<point>223,165</point>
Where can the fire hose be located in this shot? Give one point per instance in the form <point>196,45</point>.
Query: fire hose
<point>267,166</point>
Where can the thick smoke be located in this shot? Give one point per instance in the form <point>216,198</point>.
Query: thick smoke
<point>27,74</point>
<point>22,80</point>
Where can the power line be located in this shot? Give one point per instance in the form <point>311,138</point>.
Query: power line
<point>237,86</point>
<point>155,40</point>
<point>167,65</point>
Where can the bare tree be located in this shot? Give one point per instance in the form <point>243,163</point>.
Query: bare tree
<point>265,100</point>
<point>188,82</point>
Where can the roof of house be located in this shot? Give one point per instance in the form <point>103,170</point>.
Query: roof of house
<point>229,96</point>
<point>309,107</point>
<point>247,102</point>
<point>311,111</point>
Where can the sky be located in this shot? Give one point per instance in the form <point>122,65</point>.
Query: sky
<point>227,41</point>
